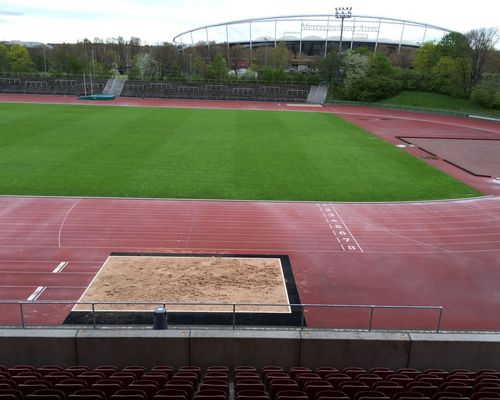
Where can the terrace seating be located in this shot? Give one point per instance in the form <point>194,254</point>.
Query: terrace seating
<point>24,382</point>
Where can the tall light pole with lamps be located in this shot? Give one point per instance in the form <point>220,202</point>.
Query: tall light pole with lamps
<point>342,13</point>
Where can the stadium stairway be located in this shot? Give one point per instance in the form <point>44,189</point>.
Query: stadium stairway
<point>317,94</point>
<point>114,87</point>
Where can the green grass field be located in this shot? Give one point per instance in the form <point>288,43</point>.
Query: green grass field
<point>209,154</point>
<point>438,102</point>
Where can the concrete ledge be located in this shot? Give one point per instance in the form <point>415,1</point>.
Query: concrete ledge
<point>133,347</point>
<point>344,349</point>
<point>251,347</point>
<point>449,351</point>
<point>38,346</point>
<point>257,348</point>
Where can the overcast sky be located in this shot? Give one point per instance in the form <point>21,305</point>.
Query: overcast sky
<point>156,21</point>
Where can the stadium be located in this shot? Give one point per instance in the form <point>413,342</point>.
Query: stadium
<point>244,241</point>
<point>314,35</point>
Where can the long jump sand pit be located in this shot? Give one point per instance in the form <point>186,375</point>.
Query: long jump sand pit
<point>183,283</point>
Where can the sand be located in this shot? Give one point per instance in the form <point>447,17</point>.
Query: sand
<point>168,279</point>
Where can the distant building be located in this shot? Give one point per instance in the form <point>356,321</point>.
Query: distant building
<point>313,35</point>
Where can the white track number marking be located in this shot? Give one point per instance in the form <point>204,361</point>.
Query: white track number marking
<point>339,229</point>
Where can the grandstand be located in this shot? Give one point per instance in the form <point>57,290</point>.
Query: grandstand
<point>313,35</point>
<point>245,91</point>
<point>215,382</point>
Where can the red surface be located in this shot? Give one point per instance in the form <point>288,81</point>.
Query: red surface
<point>434,253</point>
<point>390,125</point>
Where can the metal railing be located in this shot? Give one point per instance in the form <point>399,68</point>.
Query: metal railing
<point>232,314</point>
<point>428,110</point>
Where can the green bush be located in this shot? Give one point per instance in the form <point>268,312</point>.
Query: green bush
<point>487,93</point>
<point>413,79</point>
<point>378,87</point>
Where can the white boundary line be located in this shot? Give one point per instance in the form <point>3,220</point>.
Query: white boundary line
<point>284,286</point>
<point>91,282</point>
<point>36,294</point>
<point>486,118</point>
<point>197,310</point>
<point>60,267</point>
<point>46,287</point>
<point>187,200</point>
<point>347,228</point>
<point>334,230</point>
<point>287,305</point>
<point>304,105</point>
<point>64,220</point>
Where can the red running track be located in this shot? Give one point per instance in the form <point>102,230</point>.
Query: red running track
<point>430,253</point>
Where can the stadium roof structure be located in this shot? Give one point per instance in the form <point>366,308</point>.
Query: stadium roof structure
<point>319,29</point>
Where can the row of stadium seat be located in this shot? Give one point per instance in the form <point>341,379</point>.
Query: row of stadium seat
<point>169,90</point>
<point>163,382</point>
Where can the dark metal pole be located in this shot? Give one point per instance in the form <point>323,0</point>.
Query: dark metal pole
<point>342,13</point>
<point>341,34</point>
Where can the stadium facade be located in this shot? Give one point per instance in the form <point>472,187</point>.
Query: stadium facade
<point>313,35</point>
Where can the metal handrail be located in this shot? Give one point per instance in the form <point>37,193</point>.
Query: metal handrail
<point>428,110</point>
<point>234,306</point>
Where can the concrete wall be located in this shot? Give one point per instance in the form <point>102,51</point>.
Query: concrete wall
<point>248,347</point>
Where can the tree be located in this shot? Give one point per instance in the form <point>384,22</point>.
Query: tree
<point>166,57</point>
<point>481,43</point>
<point>453,44</point>
<point>368,76</point>
<point>329,66</point>
<point>280,56</point>
<point>446,76</point>
<point>145,67</point>
<point>380,65</point>
<point>218,68</point>
<point>238,56</point>
<point>272,75</point>
<point>64,59</point>
<point>40,55</point>
<point>378,87</point>
<point>487,93</point>
<point>4,58</point>
<point>19,59</point>
<point>200,67</point>
<point>355,67</point>
<point>426,57</point>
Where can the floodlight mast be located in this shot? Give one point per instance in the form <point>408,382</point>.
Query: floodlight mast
<point>342,13</point>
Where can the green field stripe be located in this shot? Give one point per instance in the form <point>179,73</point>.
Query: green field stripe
<point>217,154</point>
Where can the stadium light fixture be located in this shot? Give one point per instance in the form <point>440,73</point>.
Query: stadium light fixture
<point>342,13</point>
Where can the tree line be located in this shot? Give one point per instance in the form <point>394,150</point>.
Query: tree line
<point>460,65</point>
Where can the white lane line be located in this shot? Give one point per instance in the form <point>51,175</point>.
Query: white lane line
<point>394,116</point>
<point>339,228</point>
<point>64,220</point>
<point>347,228</point>
<point>36,294</point>
<point>60,267</point>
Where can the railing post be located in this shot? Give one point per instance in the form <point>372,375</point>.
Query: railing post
<point>234,317</point>
<point>371,318</point>
<point>302,317</point>
<point>439,319</point>
<point>93,314</point>
<point>22,314</point>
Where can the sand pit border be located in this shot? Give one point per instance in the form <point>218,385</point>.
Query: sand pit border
<point>289,315</point>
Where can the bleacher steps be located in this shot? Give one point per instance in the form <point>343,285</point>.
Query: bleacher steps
<point>317,94</point>
<point>114,87</point>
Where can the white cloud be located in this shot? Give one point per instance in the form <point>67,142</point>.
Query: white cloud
<point>159,20</point>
